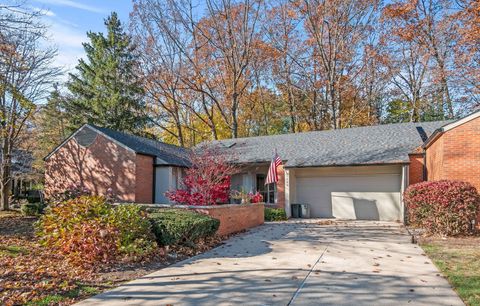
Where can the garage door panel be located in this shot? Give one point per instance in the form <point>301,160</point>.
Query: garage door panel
<point>366,205</point>
<point>366,197</point>
<point>355,183</point>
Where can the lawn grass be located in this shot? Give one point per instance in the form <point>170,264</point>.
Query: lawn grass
<point>13,250</point>
<point>55,299</point>
<point>459,261</point>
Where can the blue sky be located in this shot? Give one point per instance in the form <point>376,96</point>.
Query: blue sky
<point>69,21</point>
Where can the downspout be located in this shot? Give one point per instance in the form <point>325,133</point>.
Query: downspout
<point>405,181</point>
<point>424,172</point>
<point>154,180</point>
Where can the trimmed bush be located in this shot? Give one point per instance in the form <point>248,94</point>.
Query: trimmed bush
<point>31,209</point>
<point>89,230</point>
<point>135,231</point>
<point>275,214</point>
<point>176,227</point>
<point>442,207</point>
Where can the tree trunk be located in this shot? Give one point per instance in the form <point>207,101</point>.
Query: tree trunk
<point>5,178</point>
<point>291,104</point>
<point>234,115</point>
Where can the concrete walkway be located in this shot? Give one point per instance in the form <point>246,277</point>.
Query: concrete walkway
<point>297,263</point>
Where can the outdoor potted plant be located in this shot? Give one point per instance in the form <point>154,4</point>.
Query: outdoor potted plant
<point>246,198</point>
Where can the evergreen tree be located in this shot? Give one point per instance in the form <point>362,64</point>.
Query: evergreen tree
<point>105,90</point>
<point>50,124</point>
<point>397,111</point>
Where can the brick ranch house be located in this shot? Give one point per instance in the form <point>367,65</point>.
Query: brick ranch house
<point>355,173</point>
<point>136,169</point>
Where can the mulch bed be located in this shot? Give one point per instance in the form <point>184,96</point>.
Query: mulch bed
<point>30,273</point>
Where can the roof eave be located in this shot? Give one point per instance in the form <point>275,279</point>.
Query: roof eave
<point>171,165</point>
<point>351,165</point>
<point>435,135</point>
<point>438,132</point>
<point>64,142</point>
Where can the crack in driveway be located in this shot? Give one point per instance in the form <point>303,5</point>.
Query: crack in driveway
<point>306,277</point>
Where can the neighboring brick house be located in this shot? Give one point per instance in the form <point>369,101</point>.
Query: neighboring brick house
<point>453,151</point>
<point>136,169</point>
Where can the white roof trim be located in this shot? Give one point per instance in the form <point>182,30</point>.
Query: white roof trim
<point>111,139</point>
<point>78,130</point>
<point>448,127</point>
<point>453,125</point>
<point>63,142</point>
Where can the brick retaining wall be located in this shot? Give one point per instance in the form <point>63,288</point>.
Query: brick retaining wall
<point>233,218</point>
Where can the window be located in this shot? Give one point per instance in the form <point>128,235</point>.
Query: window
<point>267,191</point>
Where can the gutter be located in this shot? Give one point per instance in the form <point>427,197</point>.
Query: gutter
<point>351,165</point>
<point>170,165</point>
<point>154,181</point>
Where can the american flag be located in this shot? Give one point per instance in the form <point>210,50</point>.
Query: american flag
<point>272,176</point>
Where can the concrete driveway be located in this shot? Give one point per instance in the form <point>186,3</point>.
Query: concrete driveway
<point>297,263</point>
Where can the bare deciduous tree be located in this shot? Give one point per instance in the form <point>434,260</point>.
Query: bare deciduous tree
<point>26,76</point>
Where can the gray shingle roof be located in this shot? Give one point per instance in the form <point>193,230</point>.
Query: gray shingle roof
<point>166,154</point>
<point>390,143</point>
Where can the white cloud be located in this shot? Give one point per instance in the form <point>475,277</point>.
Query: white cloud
<point>65,36</point>
<point>68,39</point>
<point>74,4</point>
<point>42,11</point>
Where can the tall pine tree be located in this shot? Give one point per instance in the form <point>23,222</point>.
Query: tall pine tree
<point>105,89</point>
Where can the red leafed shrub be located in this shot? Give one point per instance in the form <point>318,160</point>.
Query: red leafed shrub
<point>89,230</point>
<point>206,182</point>
<point>442,207</point>
<point>91,242</point>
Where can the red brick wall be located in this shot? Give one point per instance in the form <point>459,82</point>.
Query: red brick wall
<point>434,160</point>
<point>98,167</point>
<point>144,179</point>
<point>456,154</point>
<point>235,217</point>
<point>415,169</point>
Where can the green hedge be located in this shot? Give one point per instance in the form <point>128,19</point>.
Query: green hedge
<point>275,214</point>
<point>32,209</point>
<point>173,227</point>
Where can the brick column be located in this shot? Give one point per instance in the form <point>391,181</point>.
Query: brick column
<point>415,170</point>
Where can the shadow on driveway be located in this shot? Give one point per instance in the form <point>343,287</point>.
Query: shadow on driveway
<point>297,263</point>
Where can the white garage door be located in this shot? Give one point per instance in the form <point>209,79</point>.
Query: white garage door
<point>364,193</point>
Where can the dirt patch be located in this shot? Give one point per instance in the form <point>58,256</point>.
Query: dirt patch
<point>31,273</point>
<point>451,241</point>
<point>14,224</point>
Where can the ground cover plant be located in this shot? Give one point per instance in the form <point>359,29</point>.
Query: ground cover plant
<point>89,231</point>
<point>275,214</point>
<point>444,207</point>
